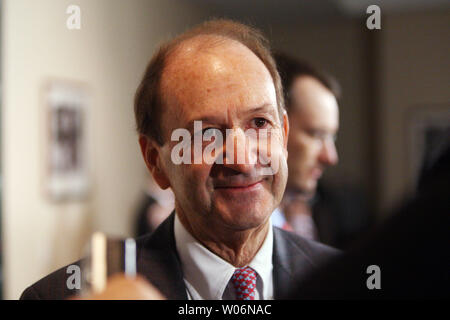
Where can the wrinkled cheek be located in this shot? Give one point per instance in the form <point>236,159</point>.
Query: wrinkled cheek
<point>196,184</point>
<point>281,172</point>
<point>272,155</point>
<point>275,166</point>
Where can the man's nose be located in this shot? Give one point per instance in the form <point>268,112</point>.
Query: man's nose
<point>328,154</point>
<point>239,151</point>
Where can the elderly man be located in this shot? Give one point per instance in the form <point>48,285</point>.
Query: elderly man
<point>219,243</point>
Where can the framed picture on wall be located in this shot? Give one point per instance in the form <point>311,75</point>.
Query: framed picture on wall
<point>429,134</point>
<point>66,160</point>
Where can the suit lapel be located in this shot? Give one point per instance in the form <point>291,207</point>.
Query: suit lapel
<point>158,261</point>
<point>289,263</point>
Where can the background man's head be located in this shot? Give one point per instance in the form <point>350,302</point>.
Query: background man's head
<point>311,103</point>
<point>222,73</point>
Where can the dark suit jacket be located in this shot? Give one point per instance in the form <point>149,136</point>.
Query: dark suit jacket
<point>157,260</point>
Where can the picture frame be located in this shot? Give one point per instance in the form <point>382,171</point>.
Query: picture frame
<point>66,159</point>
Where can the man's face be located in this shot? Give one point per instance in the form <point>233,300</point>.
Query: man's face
<point>227,87</point>
<point>314,122</point>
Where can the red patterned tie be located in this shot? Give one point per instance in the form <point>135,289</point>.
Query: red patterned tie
<point>244,282</point>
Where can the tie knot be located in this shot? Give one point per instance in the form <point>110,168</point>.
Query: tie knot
<point>244,283</point>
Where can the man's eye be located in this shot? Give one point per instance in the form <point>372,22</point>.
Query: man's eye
<point>316,134</point>
<point>259,122</point>
<point>321,135</point>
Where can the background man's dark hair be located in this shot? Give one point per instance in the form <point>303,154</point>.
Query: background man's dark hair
<point>148,101</point>
<point>291,68</point>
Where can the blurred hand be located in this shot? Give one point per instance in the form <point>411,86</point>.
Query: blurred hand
<point>120,287</point>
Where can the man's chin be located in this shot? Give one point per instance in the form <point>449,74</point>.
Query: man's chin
<point>243,218</point>
<point>311,188</point>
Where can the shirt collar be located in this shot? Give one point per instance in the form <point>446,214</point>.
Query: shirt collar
<point>208,273</point>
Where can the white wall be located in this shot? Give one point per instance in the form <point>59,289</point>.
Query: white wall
<point>108,55</point>
<point>415,73</point>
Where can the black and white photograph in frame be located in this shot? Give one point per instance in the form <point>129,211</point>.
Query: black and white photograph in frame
<point>66,154</point>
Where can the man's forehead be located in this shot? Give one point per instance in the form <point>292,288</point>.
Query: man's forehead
<point>314,104</point>
<point>203,44</point>
<point>206,70</point>
<point>307,88</point>
<point>209,55</point>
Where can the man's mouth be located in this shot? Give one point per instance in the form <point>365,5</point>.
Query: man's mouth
<point>241,186</point>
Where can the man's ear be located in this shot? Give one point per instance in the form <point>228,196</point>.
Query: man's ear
<point>285,128</point>
<point>151,152</point>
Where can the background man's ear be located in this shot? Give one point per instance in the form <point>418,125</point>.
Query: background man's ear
<point>285,128</point>
<point>152,157</point>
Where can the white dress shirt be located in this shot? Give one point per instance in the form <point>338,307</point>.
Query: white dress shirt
<point>277,218</point>
<point>207,276</point>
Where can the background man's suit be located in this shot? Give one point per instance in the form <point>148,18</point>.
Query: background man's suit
<point>157,260</point>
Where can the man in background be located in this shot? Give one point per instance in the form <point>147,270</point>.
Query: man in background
<point>308,208</point>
